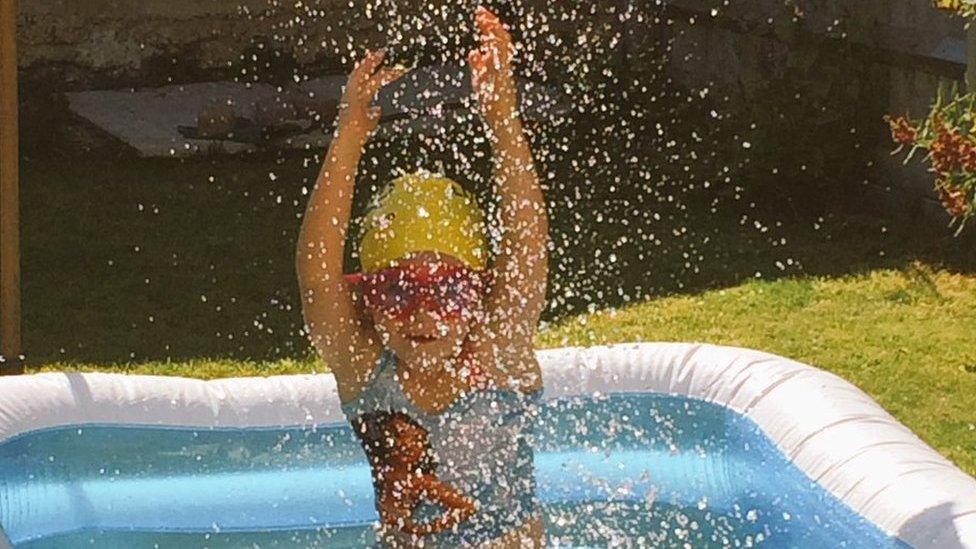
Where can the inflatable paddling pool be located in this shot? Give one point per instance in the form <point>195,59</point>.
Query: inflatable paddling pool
<point>649,444</point>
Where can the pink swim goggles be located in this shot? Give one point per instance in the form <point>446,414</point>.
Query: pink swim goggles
<point>447,290</point>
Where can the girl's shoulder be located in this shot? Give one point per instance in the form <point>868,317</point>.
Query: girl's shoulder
<point>353,377</point>
<point>373,391</point>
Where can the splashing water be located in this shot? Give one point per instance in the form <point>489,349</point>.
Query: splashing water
<point>659,179</point>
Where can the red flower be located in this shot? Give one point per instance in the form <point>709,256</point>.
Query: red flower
<point>953,199</point>
<point>949,150</point>
<point>902,131</point>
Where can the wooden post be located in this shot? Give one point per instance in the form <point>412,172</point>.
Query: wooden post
<point>971,58</point>
<point>9,191</point>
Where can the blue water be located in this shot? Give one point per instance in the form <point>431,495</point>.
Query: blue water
<point>647,470</point>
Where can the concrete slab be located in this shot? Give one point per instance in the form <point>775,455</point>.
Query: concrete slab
<point>149,119</point>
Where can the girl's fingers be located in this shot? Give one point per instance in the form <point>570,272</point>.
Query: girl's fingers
<point>495,40</point>
<point>476,61</point>
<point>484,16</point>
<point>487,36</point>
<point>391,74</point>
<point>490,26</point>
<point>495,56</point>
<point>482,81</point>
<point>368,64</point>
<point>383,77</point>
<point>491,56</point>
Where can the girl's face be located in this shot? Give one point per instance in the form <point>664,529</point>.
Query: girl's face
<point>426,334</point>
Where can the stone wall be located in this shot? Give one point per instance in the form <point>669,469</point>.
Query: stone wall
<point>85,44</point>
<point>80,44</point>
<point>743,44</point>
<point>860,60</point>
<point>750,40</point>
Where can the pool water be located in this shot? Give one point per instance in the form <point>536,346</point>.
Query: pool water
<point>636,469</point>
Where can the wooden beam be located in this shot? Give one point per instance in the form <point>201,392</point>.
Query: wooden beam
<point>971,57</point>
<point>9,194</point>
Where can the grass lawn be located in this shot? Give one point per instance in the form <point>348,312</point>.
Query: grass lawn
<point>904,336</point>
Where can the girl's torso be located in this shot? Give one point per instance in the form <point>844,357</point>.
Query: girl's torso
<point>481,444</point>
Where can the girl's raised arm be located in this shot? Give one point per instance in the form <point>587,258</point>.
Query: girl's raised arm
<point>349,346</point>
<point>520,272</point>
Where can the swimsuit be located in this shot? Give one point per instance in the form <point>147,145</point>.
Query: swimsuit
<point>481,443</point>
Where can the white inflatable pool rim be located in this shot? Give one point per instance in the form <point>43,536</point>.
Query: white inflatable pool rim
<point>832,431</point>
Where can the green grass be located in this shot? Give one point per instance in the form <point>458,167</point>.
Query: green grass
<point>903,336</point>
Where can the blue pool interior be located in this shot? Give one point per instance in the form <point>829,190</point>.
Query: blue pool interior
<point>631,469</point>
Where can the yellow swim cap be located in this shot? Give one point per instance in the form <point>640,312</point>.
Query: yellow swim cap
<point>423,213</point>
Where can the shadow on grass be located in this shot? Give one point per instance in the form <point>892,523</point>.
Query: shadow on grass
<point>128,259</point>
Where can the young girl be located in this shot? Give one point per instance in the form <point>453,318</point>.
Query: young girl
<point>446,339</point>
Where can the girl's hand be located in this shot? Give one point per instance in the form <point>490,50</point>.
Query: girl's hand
<point>491,70</point>
<point>357,111</point>
<point>457,506</point>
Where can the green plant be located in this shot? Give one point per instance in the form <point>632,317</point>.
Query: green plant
<point>948,135</point>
